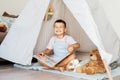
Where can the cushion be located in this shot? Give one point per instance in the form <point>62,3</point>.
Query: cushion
<point>7,21</point>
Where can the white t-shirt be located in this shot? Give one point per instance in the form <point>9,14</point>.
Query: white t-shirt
<point>66,38</point>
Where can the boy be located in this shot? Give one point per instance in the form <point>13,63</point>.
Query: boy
<point>61,44</point>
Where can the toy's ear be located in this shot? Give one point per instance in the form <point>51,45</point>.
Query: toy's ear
<point>94,51</point>
<point>98,55</point>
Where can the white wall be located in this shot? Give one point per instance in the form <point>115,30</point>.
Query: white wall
<point>12,6</point>
<point>112,9</point>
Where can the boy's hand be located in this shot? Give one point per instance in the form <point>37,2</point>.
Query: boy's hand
<point>70,48</point>
<point>40,54</point>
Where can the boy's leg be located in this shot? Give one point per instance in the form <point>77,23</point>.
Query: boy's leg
<point>66,60</point>
<point>61,66</point>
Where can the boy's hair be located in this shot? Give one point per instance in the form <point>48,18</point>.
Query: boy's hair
<point>60,21</point>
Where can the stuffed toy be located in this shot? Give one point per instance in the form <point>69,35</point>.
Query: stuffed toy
<point>95,65</point>
<point>3,27</point>
<point>72,64</point>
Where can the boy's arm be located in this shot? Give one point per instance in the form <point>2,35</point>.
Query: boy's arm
<point>46,51</point>
<point>72,47</point>
<point>75,46</point>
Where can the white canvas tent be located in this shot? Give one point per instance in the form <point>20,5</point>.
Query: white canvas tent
<point>85,20</point>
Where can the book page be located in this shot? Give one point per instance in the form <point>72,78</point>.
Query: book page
<point>50,60</point>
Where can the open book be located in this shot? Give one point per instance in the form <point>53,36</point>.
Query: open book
<point>49,60</point>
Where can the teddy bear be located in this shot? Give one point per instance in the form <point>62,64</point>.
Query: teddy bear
<point>94,65</point>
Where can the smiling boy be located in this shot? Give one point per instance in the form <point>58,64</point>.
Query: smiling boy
<point>60,45</point>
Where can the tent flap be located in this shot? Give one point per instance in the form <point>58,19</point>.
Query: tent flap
<point>19,43</point>
<point>82,12</point>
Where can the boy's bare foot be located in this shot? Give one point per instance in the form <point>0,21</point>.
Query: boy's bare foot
<point>61,69</point>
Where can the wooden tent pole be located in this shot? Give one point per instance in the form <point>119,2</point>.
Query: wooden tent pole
<point>50,10</point>
<point>108,70</point>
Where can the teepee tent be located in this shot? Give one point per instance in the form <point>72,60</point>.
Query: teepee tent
<point>85,20</point>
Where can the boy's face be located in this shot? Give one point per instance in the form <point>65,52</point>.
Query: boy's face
<point>59,28</point>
